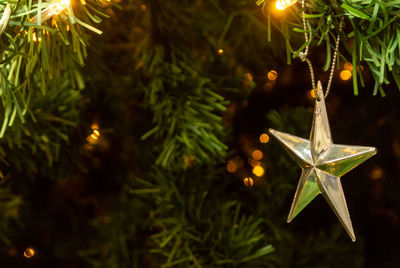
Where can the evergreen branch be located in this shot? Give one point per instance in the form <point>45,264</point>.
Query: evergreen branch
<point>374,32</point>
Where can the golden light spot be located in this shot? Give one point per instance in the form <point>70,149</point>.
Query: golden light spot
<point>258,171</point>
<point>248,182</point>
<point>348,66</point>
<point>377,173</point>
<point>231,166</point>
<point>257,155</point>
<point>93,138</point>
<point>220,52</point>
<point>95,134</point>
<point>34,37</point>
<point>283,4</point>
<point>311,94</point>
<point>143,7</point>
<point>264,138</point>
<point>29,252</point>
<point>272,75</point>
<point>94,126</point>
<point>57,7</point>
<point>345,75</point>
<point>67,28</point>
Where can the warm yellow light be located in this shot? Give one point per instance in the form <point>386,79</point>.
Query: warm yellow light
<point>264,138</point>
<point>231,166</point>
<point>348,66</point>
<point>54,8</point>
<point>95,134</point>
<point>143,7</point>
<point>283,4</point>
<point>57,7</point>
<point>29,252</point>
<point>272,75</point>
<point>94,125</point>
<point>248,182</point>
<point>34,37</point>
<point>345,75</point>
<point>257,155</point>
<point>220,52</point>
<point>258,171</point>
<point>311,94</point>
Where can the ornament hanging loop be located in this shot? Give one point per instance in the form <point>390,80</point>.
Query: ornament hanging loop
<point>304,55</point>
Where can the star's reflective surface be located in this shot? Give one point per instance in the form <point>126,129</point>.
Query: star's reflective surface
<point>322,164</point>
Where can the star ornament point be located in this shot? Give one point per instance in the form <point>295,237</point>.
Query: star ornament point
<point>322,163</point>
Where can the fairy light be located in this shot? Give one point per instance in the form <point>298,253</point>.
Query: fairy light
<point>94,136</point>
<point>220,52</point>
<point>311,94</point>
<point>231,166</point>
<point>257,155</point>
<point>264,138</point>
<point>95,125</point>
<point>52,10</point>
<point>345,75</point>
<point>258,171</point>
<point>248,182</point>
<point>348,66</point>
<point>35,38</point>
<point>272,75</point>
<point>29,252</point>
<point>283,4</point>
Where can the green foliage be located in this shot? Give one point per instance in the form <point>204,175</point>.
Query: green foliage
<point>9,209</point>
<point>185,110</point>
<point>197,227</point>
<point>158,77</point>
<point>53,121</point>
<point>371,34</point>
<point>38,58</point>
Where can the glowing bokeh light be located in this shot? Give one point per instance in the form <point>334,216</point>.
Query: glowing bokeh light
<point>272,75</point>
<point>248,182</point>
<point>264,138</point>
<point>231,166</point>
<point>283,4</point>
<point>258,171</point>
<point>29,252</point>
<point>345,75</point>
<point>257,155</point>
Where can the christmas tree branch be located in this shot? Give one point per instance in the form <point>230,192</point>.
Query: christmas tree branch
<point>371,29</point>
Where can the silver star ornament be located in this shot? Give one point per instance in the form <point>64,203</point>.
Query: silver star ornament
<point>322,164</point>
